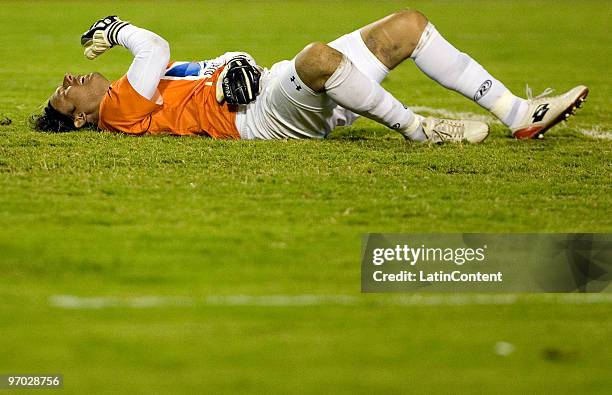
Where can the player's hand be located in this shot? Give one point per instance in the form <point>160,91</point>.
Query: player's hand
<point>238,82</point>
<point>101,36</point>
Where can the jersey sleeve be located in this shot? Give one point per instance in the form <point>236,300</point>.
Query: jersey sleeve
<point>125,110</point>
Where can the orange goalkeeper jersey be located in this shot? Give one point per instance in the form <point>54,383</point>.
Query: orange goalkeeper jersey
<point>189,105</point>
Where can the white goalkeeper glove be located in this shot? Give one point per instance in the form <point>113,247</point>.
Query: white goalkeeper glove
<point>102,36</point>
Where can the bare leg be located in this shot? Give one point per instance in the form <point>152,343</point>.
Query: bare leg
<point>391,39</point>
<point>316,63</point>
<point>394,38</point>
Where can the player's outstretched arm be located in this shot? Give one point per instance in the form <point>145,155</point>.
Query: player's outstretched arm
<point>151,52</point>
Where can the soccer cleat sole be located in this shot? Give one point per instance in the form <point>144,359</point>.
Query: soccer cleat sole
<point>535,132</point>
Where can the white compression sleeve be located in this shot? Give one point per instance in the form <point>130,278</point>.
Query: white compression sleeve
<point>151,57</point>
<point>456,70</point>
<point>351,89</point>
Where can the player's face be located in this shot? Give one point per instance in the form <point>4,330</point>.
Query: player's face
<point>80,94</point>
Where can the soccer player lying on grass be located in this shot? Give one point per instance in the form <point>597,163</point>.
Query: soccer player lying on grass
<point>324,86</point>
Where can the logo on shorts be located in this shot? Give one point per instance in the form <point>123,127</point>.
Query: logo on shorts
<point>298,87</point>
<point>483,90</point>
<point>396,126</point>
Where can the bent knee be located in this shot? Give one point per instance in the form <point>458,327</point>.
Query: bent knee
<point>320,58</point>
<point>411,19</point>
<point>316,63</point>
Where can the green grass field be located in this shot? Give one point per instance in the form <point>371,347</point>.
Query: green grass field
<point>233,267</point>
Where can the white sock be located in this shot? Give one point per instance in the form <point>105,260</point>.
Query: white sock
<point>456,70</point>
<point>351,89</point>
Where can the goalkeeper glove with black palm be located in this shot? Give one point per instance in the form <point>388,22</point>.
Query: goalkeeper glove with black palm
<point>238,82</point>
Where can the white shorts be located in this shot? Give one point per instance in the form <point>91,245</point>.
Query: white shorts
<point>287,108</point>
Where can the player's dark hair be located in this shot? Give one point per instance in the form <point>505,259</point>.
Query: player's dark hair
<point>52,121</point>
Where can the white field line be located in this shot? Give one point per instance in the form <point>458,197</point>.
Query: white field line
<point>596,132</point>
<point>143,302</point>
